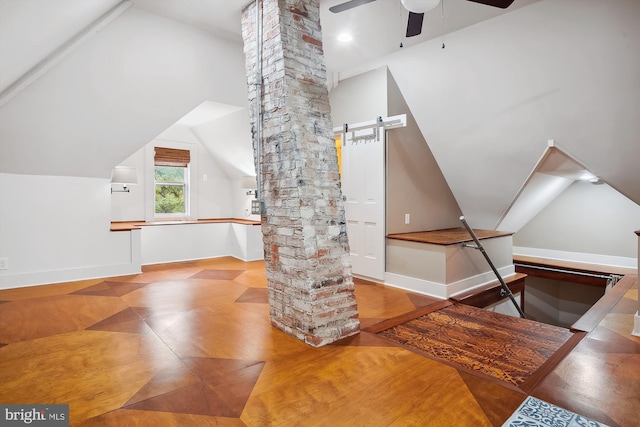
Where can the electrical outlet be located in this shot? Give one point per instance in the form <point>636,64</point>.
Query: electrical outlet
<point>4,263</point>
<point>407,218</point>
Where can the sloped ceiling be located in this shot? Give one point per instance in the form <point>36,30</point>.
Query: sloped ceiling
<point>554,173</point>
<point>566,70</point>
<point>556,70</point>
<point>31,30</point>
<point>228,138</point>
<point>219,17</point>
<point>114,93</point>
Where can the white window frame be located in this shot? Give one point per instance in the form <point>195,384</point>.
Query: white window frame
<point>191,198</point>
<point>187,195</point>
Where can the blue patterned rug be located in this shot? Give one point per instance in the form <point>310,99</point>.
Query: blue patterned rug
<point>538,413</point>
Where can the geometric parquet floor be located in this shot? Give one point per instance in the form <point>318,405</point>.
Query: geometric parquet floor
<point>191,344</point>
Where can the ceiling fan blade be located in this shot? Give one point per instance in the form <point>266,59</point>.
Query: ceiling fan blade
<point>414,24</point>
<point>348,5</point>
<point>502,4</point>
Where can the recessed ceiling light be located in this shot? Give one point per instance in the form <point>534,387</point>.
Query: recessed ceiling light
<point>345,37</point>
<point>588,176</point>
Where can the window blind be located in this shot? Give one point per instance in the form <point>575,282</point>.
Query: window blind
<point>172,157</point>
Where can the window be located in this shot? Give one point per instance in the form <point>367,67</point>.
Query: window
<point>171,182</point>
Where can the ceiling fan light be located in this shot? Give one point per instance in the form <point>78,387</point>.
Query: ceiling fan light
<point>345,37</point>
<point>420,6</point>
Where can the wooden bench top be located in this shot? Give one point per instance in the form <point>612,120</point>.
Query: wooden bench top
<point>135,225</point>
<point>448,236</point>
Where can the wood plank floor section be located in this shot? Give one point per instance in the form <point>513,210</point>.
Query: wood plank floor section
<point>503,347</point>
<point>600,378</point>
<point>191,344</point>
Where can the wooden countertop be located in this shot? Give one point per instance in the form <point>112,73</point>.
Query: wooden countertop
<point>135,225</point>
<point>448,236</point>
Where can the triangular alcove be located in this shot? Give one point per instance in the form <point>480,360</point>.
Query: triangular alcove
<point>554,173</point>
<point>565,212</point>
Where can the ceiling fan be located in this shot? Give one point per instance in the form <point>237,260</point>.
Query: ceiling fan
<point>417,9</point>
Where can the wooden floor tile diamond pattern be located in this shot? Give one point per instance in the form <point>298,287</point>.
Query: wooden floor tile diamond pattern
<point>109,289</point>
<point>503,347</point>
<point>101,289</point>
<point>217,274</point>
<point>254,295</point>
<point>191,344</point>
<point>41,317</point>
<point>222,389</point>
<point>125,321</point>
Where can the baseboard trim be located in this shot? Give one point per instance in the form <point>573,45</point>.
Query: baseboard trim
<point>443,290</point>
<point>420,286</point>
<point>607,260</point>
<point>68,275</point>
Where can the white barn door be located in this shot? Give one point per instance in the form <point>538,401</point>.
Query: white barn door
<point>363,187</point>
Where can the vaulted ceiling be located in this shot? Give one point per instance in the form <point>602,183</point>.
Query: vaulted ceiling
<point>86,83</point>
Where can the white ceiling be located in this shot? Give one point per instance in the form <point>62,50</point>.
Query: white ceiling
<point>221,17</point>
<point>31,30</point>
<point>44,27</point>
<point>206,112</point>
<point>378,27</point>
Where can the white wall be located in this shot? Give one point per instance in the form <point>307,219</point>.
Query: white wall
<point>131,206</point>
<point>94,109</point>
<point>170,243</point>
<point>360,99</point>
<point>217,193</point>
<point>246,242</point>
<point>56,229</point>
<point>539,191</point>
<point>558,303</point>
<point>586,223</point>
<point>565,70</point>
<point>415,184</point>
<point>445,270</point>
<point>183,242</point>
<point>219,196</point>
<point>585,218</point>
<point>228,140</point>
<point>41,27</point>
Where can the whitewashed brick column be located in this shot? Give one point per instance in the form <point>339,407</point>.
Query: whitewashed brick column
<point>311,293</point>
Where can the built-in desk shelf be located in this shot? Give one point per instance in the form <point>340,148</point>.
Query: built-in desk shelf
<point>186,240</point>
